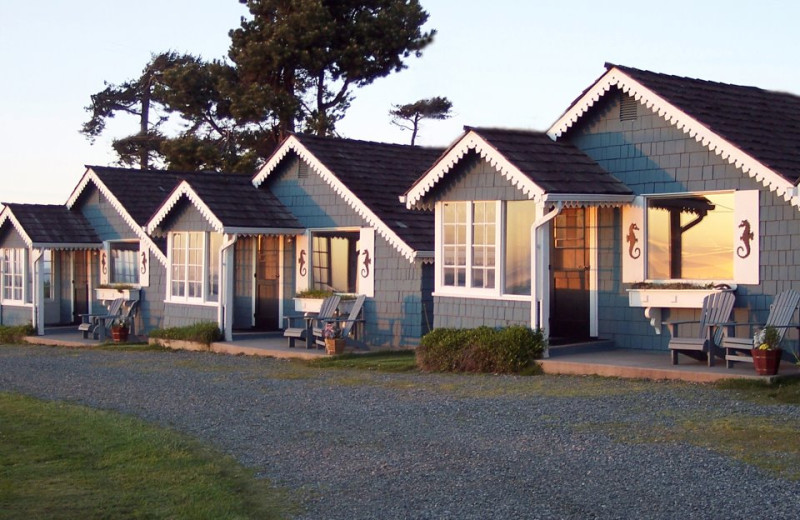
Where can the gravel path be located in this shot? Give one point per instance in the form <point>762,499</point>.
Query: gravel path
<point>359,444</point>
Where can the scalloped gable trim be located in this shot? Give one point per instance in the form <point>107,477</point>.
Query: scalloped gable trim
<point>91,176</point>
<point>7,214</point>
<point>184,189</point>
<point>682,121</point>
<point>470,141</point>
<point>292,143</point>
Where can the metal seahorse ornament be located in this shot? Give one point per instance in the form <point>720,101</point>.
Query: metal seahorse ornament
<point>143,269</point>
<point>302,262</point>
<point>103,262</point>
<point>367,262</point>
<point>747,236</point>
<point>633,251</point>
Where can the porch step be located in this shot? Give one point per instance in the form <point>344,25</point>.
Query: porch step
<point>582,347</point>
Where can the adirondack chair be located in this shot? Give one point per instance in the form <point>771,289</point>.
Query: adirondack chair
<point>293,331</point>
<point>346,324</point>
<point>716,309</point>
<point>96,324</point>
<point>780,313</point>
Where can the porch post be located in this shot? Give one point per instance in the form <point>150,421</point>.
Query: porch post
<point>540,260</point>
<point>225,307</point>
<point>38,291</point>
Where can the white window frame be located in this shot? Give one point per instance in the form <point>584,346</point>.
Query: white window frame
<point>204,298</point>
<point>108,247</point>
<point>312,253</point>
<point>21,265</point>
<point>495,293</point>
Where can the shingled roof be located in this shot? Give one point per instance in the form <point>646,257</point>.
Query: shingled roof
<point>232,203</point>
<point>533,162</point>
<point>376,174</point>
<point>50,225</point>
<point>556,167</point>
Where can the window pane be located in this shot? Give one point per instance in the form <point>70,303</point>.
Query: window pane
<point>335,260</point>
<point>47,273</point>
<point>454,244</point>
<point>215,243</point>
<point>124,258</point>
<point>689,237</point>
<point>483,244</point>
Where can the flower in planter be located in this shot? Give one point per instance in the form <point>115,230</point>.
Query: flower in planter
<point>767,339</point>
<point>332,330</point>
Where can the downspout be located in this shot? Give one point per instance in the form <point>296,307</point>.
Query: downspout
<point>536,302</point>
<point>227,242</point>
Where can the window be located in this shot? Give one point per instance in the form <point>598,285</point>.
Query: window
<point>47,273</point>
<point>454,244</point>
<point>519,219</point>
<point>123,260</point>
<point>13,274</point>
<point>335,260</point>
<point>484,221</point>
<point>689,237</point>
<point>194,266</point>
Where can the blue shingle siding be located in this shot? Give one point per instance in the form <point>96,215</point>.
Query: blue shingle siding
<point>651,156</point>
<point>181,315</point>
<point>10,237</point>
<point>475,179</point>
<point>394,317</point>
<point>185,217</point>
<point>468,313</point>
<point>15,315</point>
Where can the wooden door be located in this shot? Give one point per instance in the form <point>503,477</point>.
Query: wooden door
<point>569,267</point>
<point>80,285</point>
<point>267,281</point>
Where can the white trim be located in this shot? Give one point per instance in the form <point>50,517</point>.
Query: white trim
<point>471,141</point>
<point>573,200</point>
<point>729,152</point>
<point>444,293</point>
<point>294,144</point>
<point>181,190</point>
<point>91,176</point>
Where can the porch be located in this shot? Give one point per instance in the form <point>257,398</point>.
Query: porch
<point>595,358</point>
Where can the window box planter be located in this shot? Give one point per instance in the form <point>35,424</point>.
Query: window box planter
<point>654,299</point>
<point>307,304</point>
<point>111,293</point>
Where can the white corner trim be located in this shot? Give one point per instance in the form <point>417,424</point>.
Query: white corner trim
<point>471,141</point>
<point>682,121</point>
<point>294,144</point>
<point>7,214</point>
<point>184,189</point>
<point>91,176</point>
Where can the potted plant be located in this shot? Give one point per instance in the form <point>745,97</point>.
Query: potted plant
<point>767,355</point>
<point>334,342</point>
<point>119,330</point>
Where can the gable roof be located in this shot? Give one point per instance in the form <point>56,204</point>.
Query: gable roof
<point>50,226</point>
<point>369,177</point>
<point>134,194</point>
<point>543,169</point>
<point>757,130</point>
<point>231,204</point>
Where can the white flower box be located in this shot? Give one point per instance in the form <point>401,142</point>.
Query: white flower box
<point>110,293</point>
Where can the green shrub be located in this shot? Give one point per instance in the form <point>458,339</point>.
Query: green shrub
<point>484,349</point>
<point>205,332</point>
<point>15,333</point>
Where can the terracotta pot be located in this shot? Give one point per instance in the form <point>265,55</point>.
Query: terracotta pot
<point>766,362</point>
<point>119,334</point>
<point>334,345</point>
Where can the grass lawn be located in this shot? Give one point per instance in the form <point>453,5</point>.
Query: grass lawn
<point>66,461</point>
<point>385,361</point>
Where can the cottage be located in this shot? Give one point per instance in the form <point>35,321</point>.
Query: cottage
<point>44,251</point>
<point>715,170</point>
<point>517,232</point>
<point>226,253</point>
<point>358,238</point>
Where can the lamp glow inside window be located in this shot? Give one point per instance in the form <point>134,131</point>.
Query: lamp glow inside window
<point>689,237</point>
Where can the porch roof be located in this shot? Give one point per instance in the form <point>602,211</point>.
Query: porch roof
<point>50,226</point>
<point>230,204</point>
<point>543,169</point>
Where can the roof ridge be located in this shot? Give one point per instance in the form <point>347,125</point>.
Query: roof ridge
<point>301,137</point>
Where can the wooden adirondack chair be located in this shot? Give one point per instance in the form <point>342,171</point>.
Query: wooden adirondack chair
<point>780,313</point>
<point>346,324</point>
<point>293,331</point>
<point>716,309</point>
<point>96,324</point>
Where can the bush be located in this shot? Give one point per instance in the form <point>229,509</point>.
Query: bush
<point>10,334</point>
<point>205,332</point>
<point>508,350</point>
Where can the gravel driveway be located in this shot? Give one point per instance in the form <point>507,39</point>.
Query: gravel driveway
<point>359,444</point>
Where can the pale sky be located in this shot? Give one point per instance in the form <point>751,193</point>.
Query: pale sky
<point>503,63</point>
